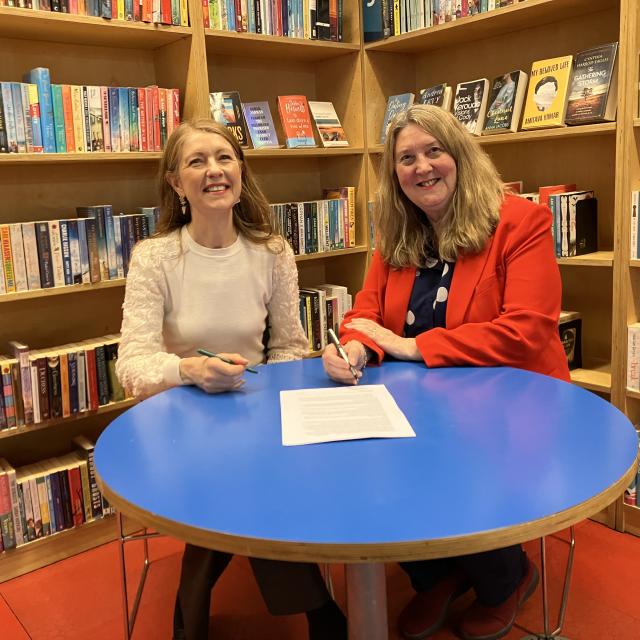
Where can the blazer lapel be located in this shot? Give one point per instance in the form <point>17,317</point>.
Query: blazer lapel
<point>467,272</point>
<point>398,293</point>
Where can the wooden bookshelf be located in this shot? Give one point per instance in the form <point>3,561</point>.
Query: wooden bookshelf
<point>595,379</point>
<point>60,291</point>
<point>597,259</point>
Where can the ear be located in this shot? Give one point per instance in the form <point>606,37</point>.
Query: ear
<point>174,181</point>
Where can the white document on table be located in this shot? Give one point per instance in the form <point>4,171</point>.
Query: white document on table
<point>341,413</point>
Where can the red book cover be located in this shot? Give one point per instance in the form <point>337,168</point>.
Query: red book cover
<point>205,14</point>
<point>165,11</point>
<point>92,379</point>
<point>142,111</point>
<point>148,96</point>
<point>545,192</point>
<point>147,10</point>
<point>75,491</point>
<point>162,115</point>
<point>296,122</point>
<point>155,96</point>
<point>175,96</point>
<point>137,10</point>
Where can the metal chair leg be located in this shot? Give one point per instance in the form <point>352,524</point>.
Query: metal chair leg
<point>130,618</point>
<point>555,634</point>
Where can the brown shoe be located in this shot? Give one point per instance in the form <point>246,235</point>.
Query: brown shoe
<point>427,610</point>
<point>490,623</point>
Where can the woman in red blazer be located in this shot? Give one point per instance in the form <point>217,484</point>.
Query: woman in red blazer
<point>463,274</point>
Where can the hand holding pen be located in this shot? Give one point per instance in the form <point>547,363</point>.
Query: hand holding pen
<point>214,373</point>
<point>210,354</point>
<point>333,366</point>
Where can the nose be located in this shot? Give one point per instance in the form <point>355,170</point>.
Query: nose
<point>213,168</point>
<point>423,164</point>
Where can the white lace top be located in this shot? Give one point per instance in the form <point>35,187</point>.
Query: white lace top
<point>181,296</point>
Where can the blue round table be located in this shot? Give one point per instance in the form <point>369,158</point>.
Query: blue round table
<point>500,456</point>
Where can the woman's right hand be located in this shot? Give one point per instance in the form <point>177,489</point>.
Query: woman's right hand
<point>337,369</point>
<point>212,374</point>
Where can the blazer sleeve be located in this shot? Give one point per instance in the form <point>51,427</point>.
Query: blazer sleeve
<point>527,314</point>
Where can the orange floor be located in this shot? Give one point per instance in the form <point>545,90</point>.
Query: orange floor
<point>79,598</point>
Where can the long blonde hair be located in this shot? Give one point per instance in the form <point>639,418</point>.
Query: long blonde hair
<point>405,237</point>
<point>251,215</point>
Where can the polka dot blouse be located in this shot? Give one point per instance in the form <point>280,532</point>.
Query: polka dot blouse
<point>428,303</point>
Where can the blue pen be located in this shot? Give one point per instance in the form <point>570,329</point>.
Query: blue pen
<point>204,352</point>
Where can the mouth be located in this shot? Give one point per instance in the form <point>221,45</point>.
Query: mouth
<point>215,188</point>
<point>428,183</point>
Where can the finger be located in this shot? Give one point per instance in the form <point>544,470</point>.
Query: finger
<point>236,358</point>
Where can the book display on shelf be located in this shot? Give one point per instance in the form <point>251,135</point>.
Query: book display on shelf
<point>328,124</point>
<point>593,92</point>
<point>470,104</point>
<point>259,121</point>
<point>296,121</point>
<point>439,95</point>
<point>546,101</point>
<point>226,109</point>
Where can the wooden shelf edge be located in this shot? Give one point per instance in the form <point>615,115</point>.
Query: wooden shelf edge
<point>30,428</point>
<point>66,158</point>
<point>331,254</point>
<point>592,379</point>
<point>58,291</point>
<point>597,259</point>
<point>61,545</point>
<point>312,152</point>
<point>631,519</point>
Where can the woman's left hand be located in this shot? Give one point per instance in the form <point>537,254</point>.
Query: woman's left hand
<point>389,342</point>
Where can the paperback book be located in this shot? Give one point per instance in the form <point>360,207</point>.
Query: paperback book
<point>438,95</point>
<point>505,103</point>
<point>260,125</point>
<point>296,122</point>
<point>470,104</point>
<point>546,101</point>
<point>395,105</point>
<point>226,109</point>
<point>329,127</point>
<point>594,86</point>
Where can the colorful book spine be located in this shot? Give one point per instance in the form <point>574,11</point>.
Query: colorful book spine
<point>41,78</point>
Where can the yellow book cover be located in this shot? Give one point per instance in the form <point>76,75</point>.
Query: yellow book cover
<point>184,13</point>
<point>78,117</point>
<point>546,101</point>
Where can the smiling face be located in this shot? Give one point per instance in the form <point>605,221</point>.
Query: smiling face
<point>426,173</point>
<point>209,174</point>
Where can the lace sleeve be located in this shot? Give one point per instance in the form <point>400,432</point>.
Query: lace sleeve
<point>143,366</point>
<point>287,340</point>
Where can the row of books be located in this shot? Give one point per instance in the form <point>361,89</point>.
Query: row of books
<point>309,19</point>
<point>575,217</point>
<point>317,226</point>
<point>322,308</point>
<point>57,382</point>
<point>95,246</point>
<point>38,116</point>
<point>172,12</point>
<point>560,91</point>
<point>41,499</point>
<point>386,18</point>
<point>255,118</point>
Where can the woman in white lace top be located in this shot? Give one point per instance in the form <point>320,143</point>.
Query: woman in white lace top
<point>216,276</point>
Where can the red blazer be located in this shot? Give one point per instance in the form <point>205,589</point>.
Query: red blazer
<point>503,304</point>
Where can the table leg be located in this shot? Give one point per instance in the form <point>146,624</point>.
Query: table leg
<point>367,602</point>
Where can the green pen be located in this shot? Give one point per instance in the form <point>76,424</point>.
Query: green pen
<point>204,352</point>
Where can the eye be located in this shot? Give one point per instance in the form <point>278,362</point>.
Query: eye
<point>193,162</point>
<point>405,159</point>
<point>225,157</point>
<point>434,152</point>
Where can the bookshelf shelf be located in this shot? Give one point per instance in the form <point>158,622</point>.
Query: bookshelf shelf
<point>632,393</point>
<point>634,263</point>
<point>332,254</point>
<point>248,45</point>
<point>597,259</point>
<point>107,408</point>
<point>59,291</point>
<point>29,24</point>
<point>631,519</point>
<point>486,25</point>
<point>69,158</point>
<point>314,152</point>
<point>595,379</point>
<point>636,122</point>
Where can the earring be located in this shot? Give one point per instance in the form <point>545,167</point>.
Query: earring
<point>183,205</point>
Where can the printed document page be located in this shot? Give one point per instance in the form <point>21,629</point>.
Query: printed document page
<point>341,413</point>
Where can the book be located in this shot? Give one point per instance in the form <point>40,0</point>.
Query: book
<point>226,109</point>
<point>505,103</point>
<point>329,127</point>
<point>372,20</point>
<point>395,105</point>
<point>470,104</point>
<point>594,86</point>
<point>439,95</point>
<point>546,100</point>
<point>296,122</point>
<point>260,124</point>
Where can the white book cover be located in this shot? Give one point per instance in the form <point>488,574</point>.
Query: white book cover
<point>17,255</point>
<point>57,266</point>
<point>329,127</point>
<point>30,246</point>
<point>633,240</point>
<point>633,357</point>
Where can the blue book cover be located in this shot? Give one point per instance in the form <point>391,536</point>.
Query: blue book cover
<point>85,275</point>
<point>114,118</point>
<point>58,118</point>
<point>134,129</point>
<point>72,359</point>
<point>66,251</point>
<point>34,111</point>
<point>117,234</point>
<point>395,105</point>
<point>111,241</point>
<point>372,20</point>
<point>260,124</point>
<point>52,510</point>
<point>124,119</point>
<point>40,77</point>
<point>18,112</point>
